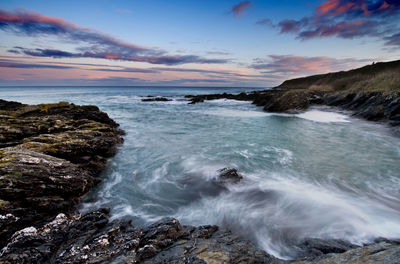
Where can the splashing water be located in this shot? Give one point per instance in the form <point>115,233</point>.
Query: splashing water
<point>319,174</point>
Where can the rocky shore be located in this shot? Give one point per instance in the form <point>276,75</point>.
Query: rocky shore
<point>371,92</point>
<point>51,154</point>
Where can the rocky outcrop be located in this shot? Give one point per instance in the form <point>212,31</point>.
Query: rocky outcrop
<point>315,247</point>
<point>371,92</point>
<point>90,238</point>
<point>201,98</point>
<point>372,106</point>
<point>383,252</point>
<point>49,157</point>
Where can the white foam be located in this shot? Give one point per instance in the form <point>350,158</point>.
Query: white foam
<point>236,113</point>
<point>227,102</point>
<point>323,116</point>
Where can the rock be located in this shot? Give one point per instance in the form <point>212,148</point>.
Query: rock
<point>229,175</point>
<point>49,157</point>
<point>371,92</point>
<point>217,246</point>
<point>156,99</point>
<point>373,106</point>
<point>73,239</point>
<point>312,247</point>
<point>196,100</point>
<point>201,98</point>
<point>80,239</point>
<point>382,252</point>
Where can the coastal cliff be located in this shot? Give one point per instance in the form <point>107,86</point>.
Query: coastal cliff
<point>371,92</point>
<point>51,154</point>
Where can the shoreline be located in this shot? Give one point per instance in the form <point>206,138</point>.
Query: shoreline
<point>371,92</point>
<point>49,162</point>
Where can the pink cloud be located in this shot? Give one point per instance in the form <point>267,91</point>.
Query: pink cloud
<point>238,9</point>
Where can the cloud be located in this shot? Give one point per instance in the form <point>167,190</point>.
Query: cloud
<point>393,40</point>
<point>238,9</point>
<point>136,70</point>
<point>165,60</point>
<point>289,65</point>
<point>218,53</point>
<point>98,45</point>
<point>291,25</point>
<point>265,21</point>
<point>347,19</point>
<point>357,28</point>
<point>356,8</point>
<point>13,64</point>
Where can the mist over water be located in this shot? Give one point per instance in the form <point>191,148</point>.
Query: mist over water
<point>319,174</point>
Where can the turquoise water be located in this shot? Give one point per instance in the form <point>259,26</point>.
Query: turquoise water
<point>320,173</point>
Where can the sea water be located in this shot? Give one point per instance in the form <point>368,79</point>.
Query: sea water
<point>316,174</point>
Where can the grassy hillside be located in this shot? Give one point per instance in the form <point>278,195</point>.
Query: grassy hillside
<point>380,77</point>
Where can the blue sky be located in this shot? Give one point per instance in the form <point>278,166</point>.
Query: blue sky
<point>202,43</point>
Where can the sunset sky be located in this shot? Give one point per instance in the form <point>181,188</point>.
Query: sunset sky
<point>191,43</point>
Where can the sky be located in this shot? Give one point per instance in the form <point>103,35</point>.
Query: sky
<point>191,43</point>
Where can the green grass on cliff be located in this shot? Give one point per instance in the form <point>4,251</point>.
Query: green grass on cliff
<point>380,77</point>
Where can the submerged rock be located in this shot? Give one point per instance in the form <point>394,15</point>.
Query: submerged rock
<point>156,99</point>
<point>229,175</point>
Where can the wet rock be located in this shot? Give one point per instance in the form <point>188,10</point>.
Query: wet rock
<point>229,175</point>
<point>371,92</point>
<point>73,239</point>
<point>49,157</point>
<point>313,247</point>
<point>196,100</point>
<point>215,247</point>
<point>156,99</point>
<point>163,231</point>
<point>35,186</point>
<point>201,98</point>
<point>373,106</point>
<point>81,239</point>
<point>376,253</point>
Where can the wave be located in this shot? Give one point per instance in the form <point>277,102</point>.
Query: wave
<point>324,116</point>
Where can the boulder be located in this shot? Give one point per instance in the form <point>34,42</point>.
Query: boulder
<point>49,157</point>
<point>228,175</point>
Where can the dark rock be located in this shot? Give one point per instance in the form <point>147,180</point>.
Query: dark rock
<point>196,100</point>
<point>376,253</point>
<point>215,247</point>
<point>371,92</point>
<point>50,154</point>
<point>79,239</point>
<point>74,239</point>
<point>156,99</point>
<point>313,247</point>
<point>201,98</point>
<point>229,175</point>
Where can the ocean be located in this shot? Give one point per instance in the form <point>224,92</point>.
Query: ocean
<point>320,173</point>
